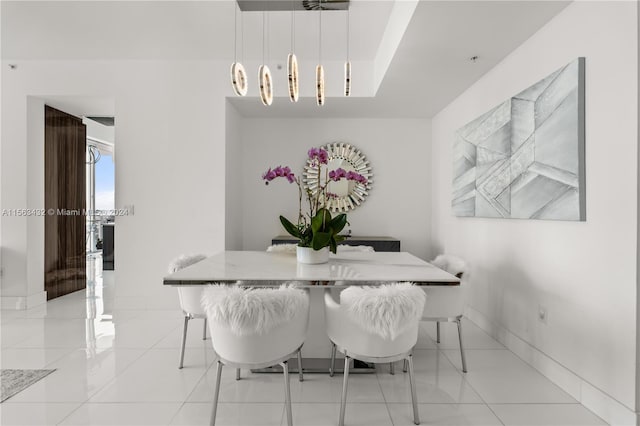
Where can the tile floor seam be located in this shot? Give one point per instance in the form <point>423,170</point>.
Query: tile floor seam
<point>538,372</point>
<point>386,404</point>
<point>552,359</point>
<point>70,413</point>
<point>115,377</point>
<point>204,377</point>
<point>495,414</point>
<point>464,378</point>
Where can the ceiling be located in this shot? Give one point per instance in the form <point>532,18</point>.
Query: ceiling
<point>188,30</point>
<point>430,67</point>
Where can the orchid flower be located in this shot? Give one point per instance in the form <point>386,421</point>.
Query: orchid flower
<point>279,171</point>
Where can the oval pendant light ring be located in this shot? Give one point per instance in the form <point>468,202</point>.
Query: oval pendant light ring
<point>347,78</point>
<point>292,71</point>
<point>239,79</point>
<point>266,87</point>
<point>320,85</point>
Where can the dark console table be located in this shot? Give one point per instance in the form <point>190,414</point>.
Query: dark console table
<point>108,262</point>
<point>378,243</point>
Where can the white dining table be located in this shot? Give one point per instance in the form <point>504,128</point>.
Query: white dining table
<point>351,268</point>
<point>260,268</point>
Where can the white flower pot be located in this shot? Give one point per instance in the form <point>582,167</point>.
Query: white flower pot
<point>310,256</point>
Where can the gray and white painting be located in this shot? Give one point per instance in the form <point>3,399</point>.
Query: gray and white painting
<point>525,158</point>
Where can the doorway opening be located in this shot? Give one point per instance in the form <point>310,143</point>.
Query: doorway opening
<point>100,192</point>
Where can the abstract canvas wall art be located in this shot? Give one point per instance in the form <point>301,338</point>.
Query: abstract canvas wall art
<point>525,158</point>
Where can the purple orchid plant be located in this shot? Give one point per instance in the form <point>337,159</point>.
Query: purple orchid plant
<point>317,228</point>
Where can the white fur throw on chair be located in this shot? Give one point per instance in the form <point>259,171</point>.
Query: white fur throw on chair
<point>452,264</point>
<point>282,248</point>
<point>253,311</point>
<point>387,310</point>
<point>358,249</point>
<point>185,260</point>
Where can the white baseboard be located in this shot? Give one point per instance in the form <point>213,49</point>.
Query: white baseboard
<point>19,303</point>
<point>603,405</point>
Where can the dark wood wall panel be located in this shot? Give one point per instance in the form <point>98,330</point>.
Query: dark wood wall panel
<point>65,139</point>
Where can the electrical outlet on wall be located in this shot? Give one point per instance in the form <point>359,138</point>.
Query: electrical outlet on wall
<point>543,315</point>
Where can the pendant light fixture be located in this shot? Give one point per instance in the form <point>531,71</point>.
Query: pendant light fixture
<point>238,74</point>
<point>347,64</point>
<point>292,61</point>
<point>319,68</point>
<point>264,74</point>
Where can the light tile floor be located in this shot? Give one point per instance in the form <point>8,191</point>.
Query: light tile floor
<point>118,366</point>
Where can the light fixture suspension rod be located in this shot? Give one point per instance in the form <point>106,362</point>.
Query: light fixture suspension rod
<point>320,35</point>
<point>348,33</point>
<point>263,32</point>
<point>235,32</point>
<point>241,36</point>
<point>293,27</point>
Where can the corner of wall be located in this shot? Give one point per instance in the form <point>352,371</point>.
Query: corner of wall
<point>234,231</point>
<point>637,407</point>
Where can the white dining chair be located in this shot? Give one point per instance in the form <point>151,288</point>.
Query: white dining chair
<point>446,303</point>
<point>377,325</point>
<point>189,299</point>
<point>256,328</point>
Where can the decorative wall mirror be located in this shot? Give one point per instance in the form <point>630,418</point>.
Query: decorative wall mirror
<point>346,195</point>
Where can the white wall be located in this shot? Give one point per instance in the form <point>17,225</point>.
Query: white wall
<point>171,159</point>
<point>99,132</point>
<point>584,273</point>
<point>233,180</point>
<point>399,152</point>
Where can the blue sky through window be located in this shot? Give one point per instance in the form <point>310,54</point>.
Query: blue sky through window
<point>105,183</point>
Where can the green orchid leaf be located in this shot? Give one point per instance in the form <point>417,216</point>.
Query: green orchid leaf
<point>333,245</point>
<point>320,239</point>
<point>320,221</point>
<point>290,227</point>
<point>339,222</point>
<point>307,236</point>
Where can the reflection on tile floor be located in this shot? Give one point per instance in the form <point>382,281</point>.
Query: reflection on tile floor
<point>117,365</point>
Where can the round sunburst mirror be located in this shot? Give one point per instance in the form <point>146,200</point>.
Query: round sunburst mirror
<point>345,195</point>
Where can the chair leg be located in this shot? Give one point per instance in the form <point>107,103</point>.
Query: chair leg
<point>332,366</point>
<point>216,394</point>
<point>392,368</point>
<point>204,330</point>
<point>343,401</point>
<point>414,397</point>
<point>300,376</point>
<point>437,331</point>
<point>237,374</point>
<point>404,366</point>
<point>287,392</point>
<point>184,341</point>
<point>462,357</point>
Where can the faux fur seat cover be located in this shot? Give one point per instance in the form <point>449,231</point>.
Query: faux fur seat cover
<point>387,310</point>
<point>185,260</point>
<point>248,311</point>
<point>344,248</point>
<point>452,264</point>
<point>282,248</point>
